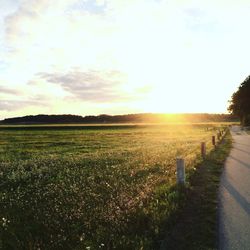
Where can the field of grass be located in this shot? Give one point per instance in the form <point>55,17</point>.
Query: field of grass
<point>93,187</point>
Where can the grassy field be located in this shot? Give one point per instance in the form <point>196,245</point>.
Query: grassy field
<point>93,187</point>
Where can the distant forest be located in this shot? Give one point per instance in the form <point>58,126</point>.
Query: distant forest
<point>130,118</point>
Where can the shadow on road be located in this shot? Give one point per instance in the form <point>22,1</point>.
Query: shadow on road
<point>241,144</point>
<point>241,162</point>
<point>237,196</point>
<point>244,151</point>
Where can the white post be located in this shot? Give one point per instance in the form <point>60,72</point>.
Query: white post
<point>180,167</point>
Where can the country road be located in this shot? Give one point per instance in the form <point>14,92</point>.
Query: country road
<point>234,195</point>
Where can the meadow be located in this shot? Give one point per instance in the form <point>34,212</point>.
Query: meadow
<point>93,187</point>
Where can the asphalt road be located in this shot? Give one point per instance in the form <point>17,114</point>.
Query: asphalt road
<point>234,195</point>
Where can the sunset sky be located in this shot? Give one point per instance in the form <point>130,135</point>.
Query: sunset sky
<point>121,56</point>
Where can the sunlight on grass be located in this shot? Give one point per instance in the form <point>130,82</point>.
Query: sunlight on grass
<point>86,187</point>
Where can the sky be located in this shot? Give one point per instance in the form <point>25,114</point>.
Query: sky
<point>121,56</point>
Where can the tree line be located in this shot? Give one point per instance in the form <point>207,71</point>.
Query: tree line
<point>240,102</point>
<point>129,118</point>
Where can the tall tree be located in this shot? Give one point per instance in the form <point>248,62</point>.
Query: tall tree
<point>240,102</point>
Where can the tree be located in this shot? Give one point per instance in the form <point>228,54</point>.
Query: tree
<point>240,102</point>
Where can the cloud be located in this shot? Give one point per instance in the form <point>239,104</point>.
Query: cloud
<point>16,99</point>
<point>5,90</point>
<point>94,86</point>
<point>14,105</point>
<point>43,35</point>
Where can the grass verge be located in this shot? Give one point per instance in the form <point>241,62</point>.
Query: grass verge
<point>194,223</point>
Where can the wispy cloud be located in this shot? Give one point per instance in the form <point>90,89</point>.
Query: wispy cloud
<point>92,86</point>
<point>5,90</point>
<point>14,105</point>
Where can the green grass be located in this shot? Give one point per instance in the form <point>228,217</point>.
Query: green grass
<point>99,187</point>
<point>194,224</point>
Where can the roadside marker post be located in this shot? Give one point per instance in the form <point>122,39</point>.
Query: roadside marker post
<point>218,136</point>
<point>180,169</point>
<point>213,140</point>
<point>203,150</point>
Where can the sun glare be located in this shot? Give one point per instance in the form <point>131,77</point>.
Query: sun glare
<point>168,56</point>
